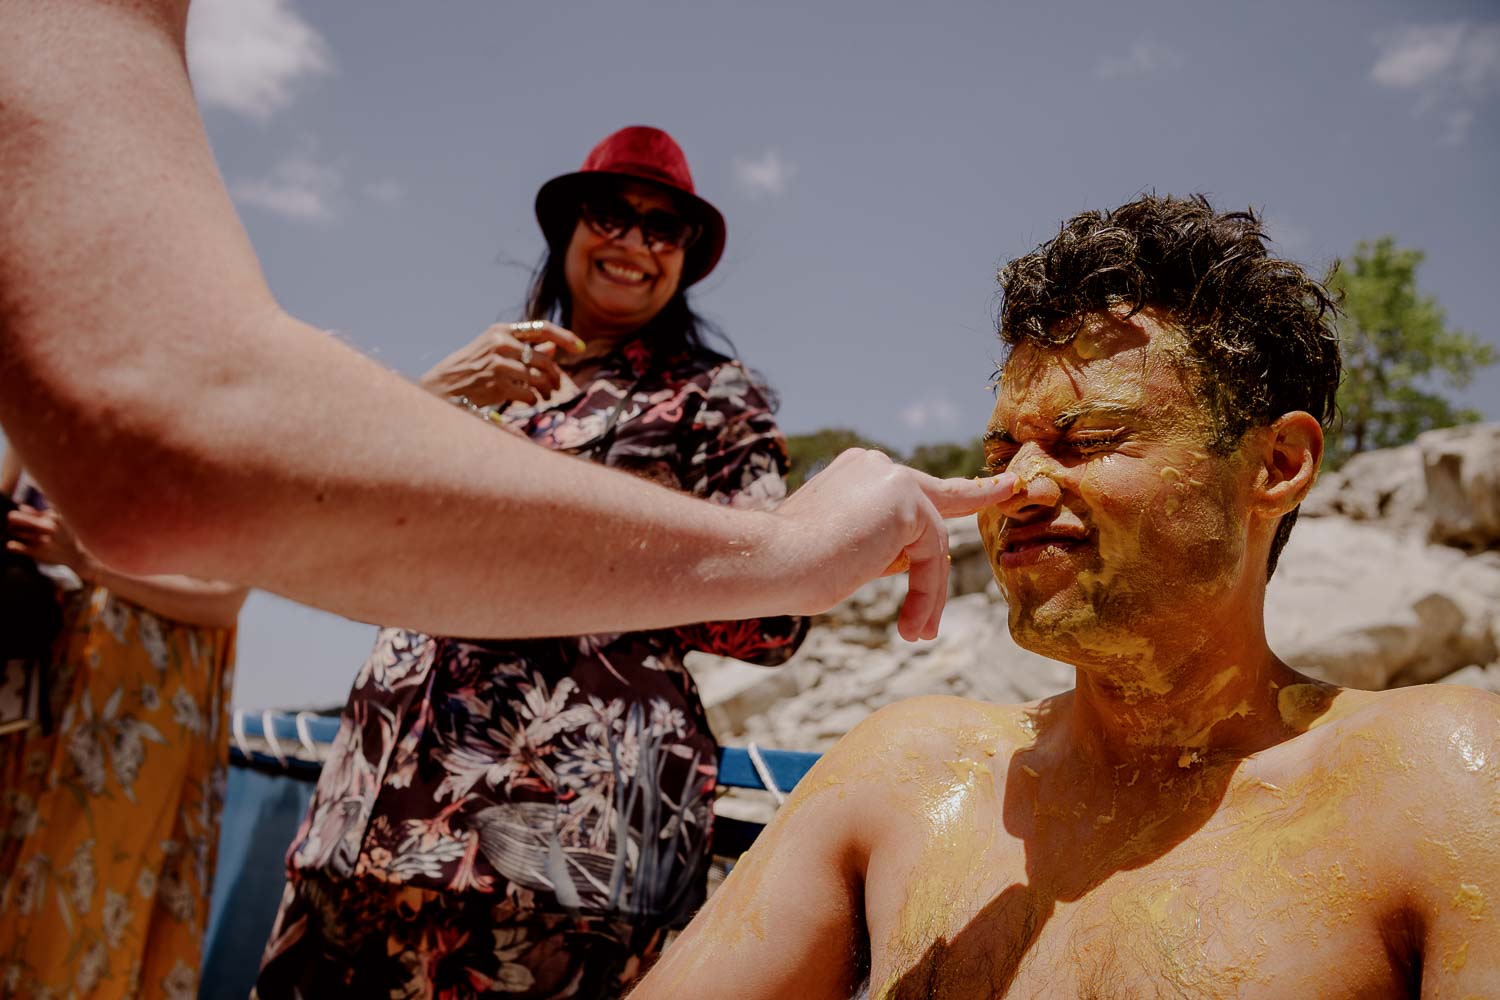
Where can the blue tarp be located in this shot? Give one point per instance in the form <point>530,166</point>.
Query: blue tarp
<point>261,814</point>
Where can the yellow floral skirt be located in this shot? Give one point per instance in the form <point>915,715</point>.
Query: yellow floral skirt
<point>109,823</point>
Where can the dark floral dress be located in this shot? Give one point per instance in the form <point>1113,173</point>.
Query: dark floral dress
<point>529,818</point>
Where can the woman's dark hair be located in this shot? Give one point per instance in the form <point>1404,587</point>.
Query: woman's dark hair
<point>1259,331</point>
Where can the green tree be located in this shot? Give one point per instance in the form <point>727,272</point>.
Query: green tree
<point>949,459</point>
<point>811,452</point>
<point>1399,353</point>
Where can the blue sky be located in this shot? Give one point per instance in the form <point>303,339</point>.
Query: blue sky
<point>876,162</point>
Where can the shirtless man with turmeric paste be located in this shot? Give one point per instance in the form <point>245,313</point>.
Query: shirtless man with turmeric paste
<point>1195,818</point>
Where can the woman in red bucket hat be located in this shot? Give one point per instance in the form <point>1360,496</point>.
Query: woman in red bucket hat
<point>531,818</point>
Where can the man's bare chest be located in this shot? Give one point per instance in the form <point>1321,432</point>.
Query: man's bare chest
<point>1245,909</point>
<point>1204,934</point>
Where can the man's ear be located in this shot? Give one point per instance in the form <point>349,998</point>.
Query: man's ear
<point>1290,456</point>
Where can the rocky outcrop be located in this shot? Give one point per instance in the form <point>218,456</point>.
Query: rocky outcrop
<point>1382,486</point>
<point>1461,470</point>
<point>1371,609</point>
<point>1444,487</point>
<point>1362,597</point>
<point>835,681</point>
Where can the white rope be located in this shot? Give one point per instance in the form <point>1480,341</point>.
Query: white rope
<point>238,728</point>
<point>304,735</point>
<point>269,734</point>
<point>764,772</point>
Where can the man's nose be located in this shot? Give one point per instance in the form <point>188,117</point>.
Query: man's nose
<point>1037,489</point>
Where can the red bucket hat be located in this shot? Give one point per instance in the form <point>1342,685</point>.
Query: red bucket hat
<point>637,153</point>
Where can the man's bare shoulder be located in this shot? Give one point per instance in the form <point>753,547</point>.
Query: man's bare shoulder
<point>1427,802</point>
<point>896,750</point>
<point>933,726</point>
<point>1422,756</point>
<point>1455,728</point>
<point>1414,718</point>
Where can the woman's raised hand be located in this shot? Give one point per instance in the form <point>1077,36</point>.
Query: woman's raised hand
<point>509,362</point>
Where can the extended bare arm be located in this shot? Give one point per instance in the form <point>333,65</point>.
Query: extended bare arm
<point>186,424</point>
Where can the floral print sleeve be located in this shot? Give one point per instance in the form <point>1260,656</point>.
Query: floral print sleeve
<point>740,460</point>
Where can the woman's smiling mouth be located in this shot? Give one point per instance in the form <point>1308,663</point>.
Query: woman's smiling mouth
<point>622,274</point>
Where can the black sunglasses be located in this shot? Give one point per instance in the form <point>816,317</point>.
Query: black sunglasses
<point>611,216</point>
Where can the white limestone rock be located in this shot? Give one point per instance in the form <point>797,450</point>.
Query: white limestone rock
<point>1388,486</point>
<point>1362,607</point>
<point>1484,678</point>
<point>1461,467</point>
<point>1445,486</point>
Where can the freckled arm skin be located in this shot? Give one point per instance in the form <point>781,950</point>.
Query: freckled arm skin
<point>185,424</point>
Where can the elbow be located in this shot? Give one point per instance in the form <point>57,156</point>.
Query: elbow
<point>223,605</point>
<point>133,535</point>
<point>150,510</point>
<point>156,493</point>
<point>151,455</point>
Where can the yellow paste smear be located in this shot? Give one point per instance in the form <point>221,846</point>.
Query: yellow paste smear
<point>1301,705</point>
<point>1470,897</point>
<point>958,812</point>
<point>1292,845</point>
<point>1172,930</point>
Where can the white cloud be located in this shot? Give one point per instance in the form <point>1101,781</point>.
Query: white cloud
<point>933,413</point>
<point>386,191</point>
<point>298,187</point>
<point>768,175</point>
<point>1413,56</point>
<point>1457,54</point>
<point>1449,68</point>
<point>246,55</point>
<point>1143,58</point>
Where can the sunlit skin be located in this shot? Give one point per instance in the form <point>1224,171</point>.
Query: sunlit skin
<point>1194,819</point>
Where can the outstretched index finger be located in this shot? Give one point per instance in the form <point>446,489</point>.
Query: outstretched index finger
<point>960,497</point>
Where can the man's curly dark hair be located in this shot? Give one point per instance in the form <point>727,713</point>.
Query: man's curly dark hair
<point>1258,331</point>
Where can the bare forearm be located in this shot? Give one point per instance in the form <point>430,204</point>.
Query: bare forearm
<point>180,598</point>
<point>363,495</point>
<point>186,424</point>
<point>396,508</point>
<point>208,433</point>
